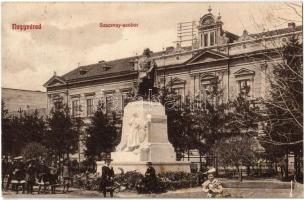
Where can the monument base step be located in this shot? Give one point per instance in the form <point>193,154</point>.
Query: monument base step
<point>160,167</point>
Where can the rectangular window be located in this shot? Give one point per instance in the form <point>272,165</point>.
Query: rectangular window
<point>126,97</point>
<point>178,90</point>
<point>208,91</point>
<point>89,107</point>
<point>109,104</point>
<point>244,87</point>
<point>75,108</point>
<point>179,94</point>
<point>206,39</point>
<point>56,99</point>
<point>211,38</point>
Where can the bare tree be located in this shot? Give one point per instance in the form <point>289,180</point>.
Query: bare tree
<point>281,113</point>
<point>280,62</point>
<point>235,151</point>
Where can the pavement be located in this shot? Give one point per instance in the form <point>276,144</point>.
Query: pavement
<point>268,189</point>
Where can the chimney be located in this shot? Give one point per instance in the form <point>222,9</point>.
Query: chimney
<point>292,25</point>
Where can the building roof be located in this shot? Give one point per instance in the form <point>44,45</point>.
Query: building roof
<point>275,32</point>
<point>23,90</point>
<point>125,65</point>
<point>100,68</point>
<point>16,99</point>
<point>104,68</point>
<point>231,35</point>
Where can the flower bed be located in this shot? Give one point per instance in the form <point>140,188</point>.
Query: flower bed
<point>129,180</point>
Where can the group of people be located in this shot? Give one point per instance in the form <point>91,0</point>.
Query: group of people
<point>18,173</point>
<point>25,174</point>
<point>212,187</point>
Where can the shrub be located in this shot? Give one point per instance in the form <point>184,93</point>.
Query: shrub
<point>178,180</point>
<point>166,181</point>
<point>128,180</point>
<point>34,150</point>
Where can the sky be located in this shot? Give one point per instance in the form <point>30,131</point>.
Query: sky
<point>70,34</point>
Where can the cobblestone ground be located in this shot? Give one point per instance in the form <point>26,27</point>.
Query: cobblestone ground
<point>184,193</point>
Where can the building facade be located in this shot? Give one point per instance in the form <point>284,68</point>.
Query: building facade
<point>216,57</point>
<point>19,101</point>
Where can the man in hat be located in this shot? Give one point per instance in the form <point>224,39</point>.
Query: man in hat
<point>31,176</point>
<point>10,169</point>
<point>43,172</point>
<point>107,177</point>
<point>150,179</point>
<point>213,187</point>
<point>4,170</point>
<point>146,74</point>
<point>20,175</point>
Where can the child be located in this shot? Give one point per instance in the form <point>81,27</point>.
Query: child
<point>213,187</point>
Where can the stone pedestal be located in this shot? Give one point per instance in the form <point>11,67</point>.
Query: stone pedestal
<point>145,138</point>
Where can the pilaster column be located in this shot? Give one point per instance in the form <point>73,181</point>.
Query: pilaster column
<point>197,84</point>
<point>263,81</point>
<point>191,88</point>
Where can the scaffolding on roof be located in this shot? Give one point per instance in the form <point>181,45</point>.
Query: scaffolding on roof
<point>186,34</point>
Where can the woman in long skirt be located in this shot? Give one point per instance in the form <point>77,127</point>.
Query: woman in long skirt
<point>66,176</point>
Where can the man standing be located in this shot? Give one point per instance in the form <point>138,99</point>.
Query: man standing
<point>107,177</point>
<point>213,187</point>
<point>4,170</point>
<point>20,177</point>
<point>31,172</point>
<point>10,169</point>
<point>43,172</point>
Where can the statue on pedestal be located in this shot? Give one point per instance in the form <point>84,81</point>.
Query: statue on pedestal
<point>144,135</point>
<point>146,76</point>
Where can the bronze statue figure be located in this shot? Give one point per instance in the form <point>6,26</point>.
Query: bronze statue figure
<point>146,76</point>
